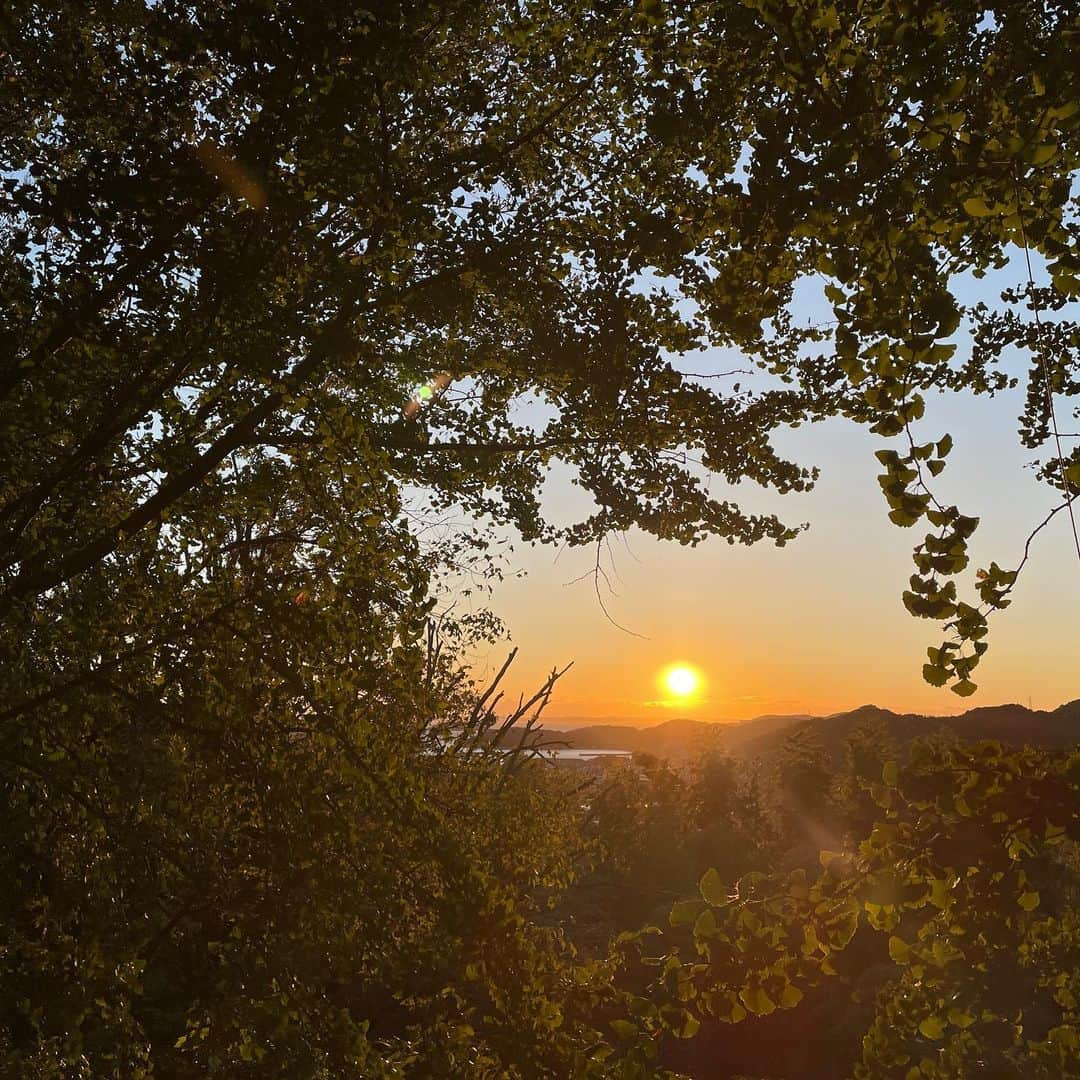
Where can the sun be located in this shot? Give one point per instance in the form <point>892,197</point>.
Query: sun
<point>680,680</point>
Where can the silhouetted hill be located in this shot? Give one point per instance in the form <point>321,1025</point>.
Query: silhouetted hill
<point>1008,723</point>
<point>762,736</point>
<point>672,738</point>
<point>760,728</point>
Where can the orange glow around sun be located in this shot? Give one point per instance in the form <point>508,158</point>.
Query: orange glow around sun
<point>680,681</point>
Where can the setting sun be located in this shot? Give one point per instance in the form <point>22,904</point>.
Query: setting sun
<point>680,680</point>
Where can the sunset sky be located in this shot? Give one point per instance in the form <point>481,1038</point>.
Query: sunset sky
<point>817,626</point>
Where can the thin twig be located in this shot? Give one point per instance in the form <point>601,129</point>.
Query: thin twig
<point>1047,385</point>
<point>596,573</point>
<point>717,375</point>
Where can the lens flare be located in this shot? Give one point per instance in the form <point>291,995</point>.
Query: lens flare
<point>427,393</point>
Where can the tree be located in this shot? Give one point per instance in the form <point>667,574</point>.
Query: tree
<point>970,872</point>
<point>805,781</point>
<point>236,242</point>
<point>239,237</point>
<point>653,829</point>
<point>272,866</point>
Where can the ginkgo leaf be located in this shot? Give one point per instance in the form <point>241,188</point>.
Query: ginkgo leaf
<point>712,888</point>
<point>931,1027</point>
<point>960,1018</point>
<point>685,912</point>
<point>757,1001</point>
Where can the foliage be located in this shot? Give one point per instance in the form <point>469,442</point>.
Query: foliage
<point>266,868</point>
<point>963,874</point>
<point>236,241</point>
<point>653,830</point>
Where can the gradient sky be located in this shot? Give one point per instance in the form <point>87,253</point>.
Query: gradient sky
<point>817,626</point>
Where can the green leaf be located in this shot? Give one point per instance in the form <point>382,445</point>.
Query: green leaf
<point>977,207</point>
<point>734,1014</point>
<point>798,885</point>
<point>1029,901</point>
<point>625,1030</point>
<point>713,889</point>
<point>790,996</point>
<point>685,912</point>
<point>934,675</point>
<point>939,893</point>
<point>829,19</point>
<point>881,795</point>
<point>932,1028</point>
<point>690,1027</point>
<point>890,773</point>
<point>899,950</point>
<point>705,925</point>
<point>959,1018</point>
<point>965,688</point>
<point>757,1001</point>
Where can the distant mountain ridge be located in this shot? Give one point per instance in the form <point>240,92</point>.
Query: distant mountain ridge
<point>679,738</point>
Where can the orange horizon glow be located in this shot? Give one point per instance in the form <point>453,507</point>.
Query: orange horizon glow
<point>814,628</point>
<point>818,626</point>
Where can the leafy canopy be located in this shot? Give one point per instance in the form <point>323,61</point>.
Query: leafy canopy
<point>236,241</point>
<point>970,874</point>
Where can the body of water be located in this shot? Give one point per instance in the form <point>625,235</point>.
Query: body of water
<point>567,753</point>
